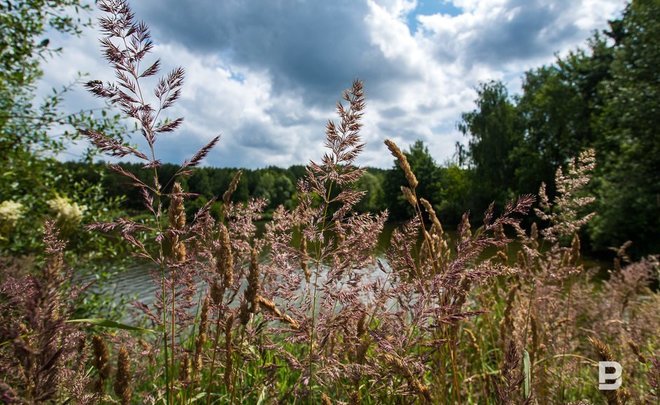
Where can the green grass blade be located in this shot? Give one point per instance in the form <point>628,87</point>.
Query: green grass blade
<point>527,374</point>
<point>105,323</point>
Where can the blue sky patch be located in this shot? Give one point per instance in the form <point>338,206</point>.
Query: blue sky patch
<point>430,7</point>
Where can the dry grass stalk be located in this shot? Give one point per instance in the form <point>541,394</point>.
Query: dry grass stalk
<point>510,385</point>
<point>614,397</point>
<point>410,197</point>
<point>200,340</point>
<point>224,257</point>
<point>403,163</point>
<point>434,218</point>
<point>226,197</point>
<point>101,363</point>
<point>303,258</point>
<point>229,356</point>
<point>325,399</point>
<point>184,369</point>
<point>122,384</point>
<point>270,307</point>
<point>249,306</point>
<point>400,366</point>
<point>177,217</point>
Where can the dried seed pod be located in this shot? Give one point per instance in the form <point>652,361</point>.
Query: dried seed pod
<point>101,362</point>
<point>605,354</point>
<point>217,292</point>
<point>575,249</point>
<point>410,197</point>
<point>252,290</point>
<point>636,350</point>
<point>54,249</point>
<point>400,366</point>
<point>184,369</point>
<point>123,377</point>
<point>226,197</point>
<point>224,258</point>
<point>534,232</point>
<point>340,233</point>
<point>361,325</point>
<point>434,218</point>
<point>177,217</point>
<point>403,163</point>
<point>201,337</point>
<point>270,306</point>
<point>229,363</point>
<point>363,347</point>
<point>506,324</point>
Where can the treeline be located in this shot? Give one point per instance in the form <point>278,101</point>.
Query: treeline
<point>448,185</point>
<point>275,184</point>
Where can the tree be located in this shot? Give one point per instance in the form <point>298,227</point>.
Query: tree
<point>200,183</point>
<point>628,189</point>
<point>374,199</point>
<point>24,126</point>
<point>33,132</point>
<point>494,131</point>
<point>454,193</point>
<point>425,170</point>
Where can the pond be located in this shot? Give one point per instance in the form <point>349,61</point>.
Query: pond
<point>136,282</point>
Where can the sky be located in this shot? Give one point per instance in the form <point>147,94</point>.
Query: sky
<point>266,74</point>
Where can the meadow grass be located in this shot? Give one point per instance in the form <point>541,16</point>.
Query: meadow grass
<point>294,314</point>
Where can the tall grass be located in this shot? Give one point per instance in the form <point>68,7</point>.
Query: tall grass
<point>306,312</point>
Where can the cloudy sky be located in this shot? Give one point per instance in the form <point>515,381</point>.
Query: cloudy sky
<point>265,74</point>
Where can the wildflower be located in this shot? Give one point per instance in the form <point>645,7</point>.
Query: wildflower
<point>68,214</point>
<point>10,213</point>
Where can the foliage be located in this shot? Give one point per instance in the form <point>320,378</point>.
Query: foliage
<point>494,131</point>
<point>455,184</point>
<point>423,164</point>
<point>372,182</point>
<point>32,133</point>
<point>630,151</point>
<point>604,98</point>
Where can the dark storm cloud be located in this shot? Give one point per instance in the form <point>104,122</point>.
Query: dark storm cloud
<point>318,46</point>
<point>261,136</point>
<point>529,29</point>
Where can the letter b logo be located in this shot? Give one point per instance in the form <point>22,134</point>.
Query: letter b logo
<point>609,379</point>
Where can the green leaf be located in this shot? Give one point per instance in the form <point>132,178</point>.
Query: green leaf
<point>198,397</point>
<point>527,374</point>
<point>105,323</point>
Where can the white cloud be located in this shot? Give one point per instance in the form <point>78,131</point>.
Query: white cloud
<point>266,78</point>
